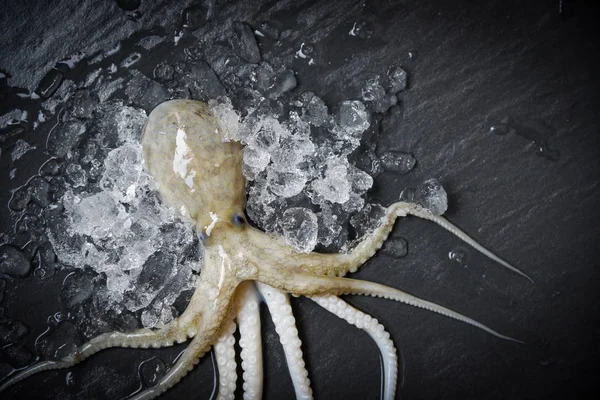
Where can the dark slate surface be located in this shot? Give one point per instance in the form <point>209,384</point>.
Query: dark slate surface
<point>475,65</point>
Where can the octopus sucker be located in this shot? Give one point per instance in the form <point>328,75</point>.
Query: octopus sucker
<point>198,171</point>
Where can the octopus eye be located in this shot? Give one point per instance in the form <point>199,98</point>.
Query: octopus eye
<point>238,219</point>
<point>201,236</point>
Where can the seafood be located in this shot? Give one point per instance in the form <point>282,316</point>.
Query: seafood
<point>199,173</point>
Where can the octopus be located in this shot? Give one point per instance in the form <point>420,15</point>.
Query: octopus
<point>199,172</point>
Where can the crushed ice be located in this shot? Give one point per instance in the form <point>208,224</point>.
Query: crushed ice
<point>135,257</point>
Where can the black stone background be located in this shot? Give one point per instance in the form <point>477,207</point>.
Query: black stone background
<point>476,62</point>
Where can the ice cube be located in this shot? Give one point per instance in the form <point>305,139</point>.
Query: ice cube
<point>77,287</point>
<point>40,191</point>
<point>398,161</point>
<point>269,30</point>
<point>284,82</point>
<point>432,196</point>
<point>265,133</point>
<point>367,219</point>
<point>99,216</point>
<point>122,170</point>
<point>315,111</point>
<point>200,81</point>
<point>64,137</point>
<point>330,226</point>
<point>58,342</point>
<point>150,317</point>
<point>21,147</point>
<point>81,104</point>
<point>291,152</point>
<point>145,92</point>
<point>396,79</point>
<point>372,90</point>
<point>76,175</point>
<point>244,43</point>
<point>286,184</point>
<point>130,122</point>
<point>300,228</point>
<point>360,180</point>
<point>228,119</point>
<point>352,117</point>
<point>194,17</point>
<point>334,186</point>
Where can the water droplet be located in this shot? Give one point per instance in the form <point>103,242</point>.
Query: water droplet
<point>396,247</point>
<point>40,191</point>
<point>29,223</point>
<point>19,199</point>
<point>50,168</point>
<point>499,129</point>
<point>39,272</point>
<point>362,29</point>
<point>151,371</point>
<point>194,17</point>
<point>49,83</point>
<point>58,341</point>
<point>131,59</point>
<point>535,130</point>
<point>60,317</point>
<point>460,256</point>
<point>13,261</point>
<point>269,30</point>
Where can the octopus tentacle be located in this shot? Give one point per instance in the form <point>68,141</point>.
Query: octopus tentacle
<point>281,313</point>
<point>341,264</point>
<point>186,362</point>
<point>248,318</point>
<point>207,311</point>
<point>420,212</point>
<point>302,283</point>
<point>225,354</point>
<point>142,338</point>
<point>382,339</point>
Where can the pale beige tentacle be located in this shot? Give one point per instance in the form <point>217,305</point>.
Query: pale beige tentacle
<point>141,338</point>
<point>248,318</point>
<point>225,354</point>
<point>421,212</point>
<point>285,325</point>
<point>302,283</point>
<point>341,264</point>
<point>389,356</point>
<point>205,315</point>
<point>190,357</point>
<point>207,310</point>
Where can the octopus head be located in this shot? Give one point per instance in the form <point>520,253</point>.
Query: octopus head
<point>196,169</point>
